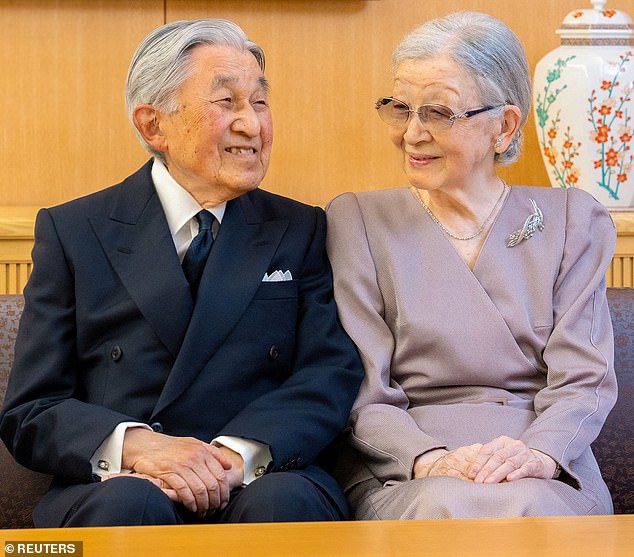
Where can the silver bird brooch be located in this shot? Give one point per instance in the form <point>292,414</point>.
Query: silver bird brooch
<point>533,223</point>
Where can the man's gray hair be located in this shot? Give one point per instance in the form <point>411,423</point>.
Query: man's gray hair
<point>160,64</point>
<point>487,49</point>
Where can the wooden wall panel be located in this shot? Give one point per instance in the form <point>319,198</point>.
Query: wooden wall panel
<point>64,131</point>
<point>328,62</point>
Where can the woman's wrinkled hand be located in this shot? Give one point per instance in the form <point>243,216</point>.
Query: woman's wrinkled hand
<point>455,464</point>
<point>507,459</point>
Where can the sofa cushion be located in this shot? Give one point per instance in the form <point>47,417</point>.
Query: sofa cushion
<point>614,448</point>
<point>10,311</point>
<point>20,488</point>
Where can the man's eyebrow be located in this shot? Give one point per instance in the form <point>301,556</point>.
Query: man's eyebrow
<point>221,80</point>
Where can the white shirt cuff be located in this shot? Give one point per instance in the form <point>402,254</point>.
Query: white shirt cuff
<point>107,458</point>
<point>256,455</point>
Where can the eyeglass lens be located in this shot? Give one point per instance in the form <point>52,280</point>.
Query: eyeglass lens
<point>395,112</point>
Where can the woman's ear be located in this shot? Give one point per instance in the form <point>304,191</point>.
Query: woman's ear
<point>512,118</point>
<point>146,120</point>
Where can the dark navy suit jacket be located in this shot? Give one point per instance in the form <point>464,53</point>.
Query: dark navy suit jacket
<point>110,333</point>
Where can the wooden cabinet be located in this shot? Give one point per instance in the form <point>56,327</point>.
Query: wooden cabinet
<point>16,241</point>
<point>621,272</point>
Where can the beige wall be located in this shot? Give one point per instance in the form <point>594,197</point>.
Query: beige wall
<point>64,132</point>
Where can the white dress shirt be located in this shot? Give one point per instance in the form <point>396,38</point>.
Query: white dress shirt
<point>180,209</point>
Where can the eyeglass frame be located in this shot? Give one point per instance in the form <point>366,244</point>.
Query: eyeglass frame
<point>451,119</point>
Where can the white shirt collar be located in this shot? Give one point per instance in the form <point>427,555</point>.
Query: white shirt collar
<point>180,208</point>
<point>178,204</point>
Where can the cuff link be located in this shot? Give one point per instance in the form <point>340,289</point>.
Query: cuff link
<point>103,465</point>
<point>259,471</point>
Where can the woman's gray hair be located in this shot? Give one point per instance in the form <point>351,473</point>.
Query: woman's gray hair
<point>160,64</point>
<point>487,49</point>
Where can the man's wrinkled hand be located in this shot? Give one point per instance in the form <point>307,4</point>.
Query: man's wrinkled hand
<point>192,469</point>
<point>156,481</point>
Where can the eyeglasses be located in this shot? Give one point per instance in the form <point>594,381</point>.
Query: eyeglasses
<point>396,113</point>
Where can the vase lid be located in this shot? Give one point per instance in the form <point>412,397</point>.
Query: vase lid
<point>597,26</point>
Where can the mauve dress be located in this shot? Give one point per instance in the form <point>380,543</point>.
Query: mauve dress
<point>521,346</point>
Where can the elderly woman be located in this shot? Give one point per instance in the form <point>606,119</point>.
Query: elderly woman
<point>479,309</point>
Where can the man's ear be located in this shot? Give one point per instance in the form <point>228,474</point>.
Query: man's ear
<point>146,121</point>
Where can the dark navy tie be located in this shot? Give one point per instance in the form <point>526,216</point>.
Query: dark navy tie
<point>198,251</point>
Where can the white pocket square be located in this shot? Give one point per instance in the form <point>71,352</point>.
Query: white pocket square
<point>277,276</point>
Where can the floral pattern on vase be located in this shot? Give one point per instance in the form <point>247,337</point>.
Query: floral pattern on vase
<point>611,130</point>
<point>583,106</point>
<point>561,161</point>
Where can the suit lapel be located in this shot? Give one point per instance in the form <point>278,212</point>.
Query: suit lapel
<point>138,243</point>
<point>240,257</point>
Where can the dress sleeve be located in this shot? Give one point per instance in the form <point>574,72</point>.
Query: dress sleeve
<point>381,428</point>
<point>579,355</point>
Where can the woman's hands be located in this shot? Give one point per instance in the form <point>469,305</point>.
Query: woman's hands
<point>507,459</point>
<point>502,459</point>
<point>447,463</point>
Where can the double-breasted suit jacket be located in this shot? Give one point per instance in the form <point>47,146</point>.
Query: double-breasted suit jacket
<point>110,333</point>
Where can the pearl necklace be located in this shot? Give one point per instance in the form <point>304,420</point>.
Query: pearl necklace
<point>448,232</point>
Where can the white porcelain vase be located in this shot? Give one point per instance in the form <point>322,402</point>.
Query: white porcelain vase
<point>583,105</point>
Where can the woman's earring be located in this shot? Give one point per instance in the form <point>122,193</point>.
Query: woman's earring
<point>498,142</point>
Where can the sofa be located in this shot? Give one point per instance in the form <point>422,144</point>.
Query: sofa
<point>20,488</point>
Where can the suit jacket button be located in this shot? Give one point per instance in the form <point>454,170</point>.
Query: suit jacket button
<point>116,353</point>
<point>274,353</point>
<point>157,427</point>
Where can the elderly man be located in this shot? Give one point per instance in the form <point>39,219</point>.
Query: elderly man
<point>179,357</point>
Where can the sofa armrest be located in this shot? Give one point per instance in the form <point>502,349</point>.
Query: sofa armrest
<point>614,448</point>
<point>20,489</point>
